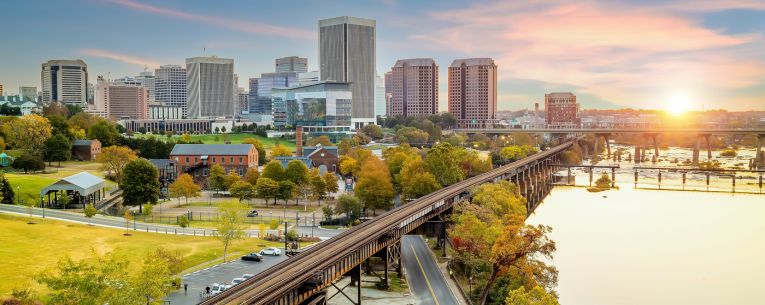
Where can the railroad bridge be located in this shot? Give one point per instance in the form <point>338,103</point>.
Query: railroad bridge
<point>304,278</point>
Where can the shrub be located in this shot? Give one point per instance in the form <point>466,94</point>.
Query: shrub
<point>183,221</point>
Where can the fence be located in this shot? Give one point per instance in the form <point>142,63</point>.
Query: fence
<point>211,217</point>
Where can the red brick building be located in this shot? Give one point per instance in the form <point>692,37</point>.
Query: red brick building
<point>561,110</point>
<point>196,159</point>
<point>86,150</point>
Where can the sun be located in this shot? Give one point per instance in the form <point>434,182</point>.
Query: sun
<point>678,104</point>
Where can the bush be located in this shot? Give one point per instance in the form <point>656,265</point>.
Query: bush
<point>183,221</point>
<point>292,235</point>
<point>340,221</point>
<point>730,152</point>
<point>274,224</point>
<point>28,163</point>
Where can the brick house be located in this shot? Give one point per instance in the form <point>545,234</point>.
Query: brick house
<point>86,150</point>
<point>325,158</point>
<point>196,159</point>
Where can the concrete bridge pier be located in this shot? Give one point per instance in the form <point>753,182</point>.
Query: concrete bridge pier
<point>613,177</point>
<point>637,158</point>
<point>760,157</point>
<point>709,147</point>
<point>696,151</point>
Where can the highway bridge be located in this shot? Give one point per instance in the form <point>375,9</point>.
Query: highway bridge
<point>304,278</point>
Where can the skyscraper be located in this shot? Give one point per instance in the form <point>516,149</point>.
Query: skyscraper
<point>1,90</point>
<point>292,64</point>
<point>347,54</point>
<point>473,91</point>
<point>170,86</point>
<point>210,87</point>
<point>561,110</point>
<point>65,81</point>
<point>28,93</point>
<point>414,87</point>
<point>146,78</point>
<point>264,85</point>
<point>121,100</point>
<point>380,109</point>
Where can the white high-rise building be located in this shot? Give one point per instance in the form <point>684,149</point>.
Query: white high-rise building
<point>308,78</point>
<point>65,81</point>
<point>347,54</point>
<point>210,87</point>
<point>146,78</point>
<point>292,64</point>
<point>379,96</point>
<point>170,86</point>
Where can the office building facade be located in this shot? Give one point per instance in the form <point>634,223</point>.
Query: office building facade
<point>380,108</point>
<point>210,87</point>
<point>260,99</point>
<point>320,104</point>
<point>562,110</point>
<point>146,78</point>
<point>414,87</point>
<point>291,64</point>
<point>65,81</point>
<point>347,54</point>
<point>28,93</point>
<point>121,101</point>
<point>170,86</point>
<point>473,92</point>
<point>308,78</point>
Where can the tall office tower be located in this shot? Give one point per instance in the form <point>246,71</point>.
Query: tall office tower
<point>265,84</point>
<point>170,86</point>
<point>1,90</point>
<point>347,54</point>
<point>65,81</point>
<point>127,81</point>
<point>292,64</point>
<point>473,92</point>
<point>91,93</point>
<point>414,89</point>
<point>244,106</point>
<point>308,78</point>
<point>388,94</point>
<point>119,100</point>
<point>380,109</point>
<point>27,93</point>
<point>253,95</point>
<point>210,90</point>
<point>561,110</point>
<point>146,78</point>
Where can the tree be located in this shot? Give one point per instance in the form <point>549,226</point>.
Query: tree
<point>318,185</point>
<point>267,188</point>
<point>185,187</point>
<point>251,176</point>
<point>443,162</point>
<point>217,179</point>
<point>349,205</point>
<point>274,170</point>
<point>259,147</point>
<point>330,180</point>
<point>396,157</point>
<point>58,148</point>
<point>55,109</point>
<point>230,179</point>
<point>415,180</point>
<point>535,296</point>
<point>375,188</point>
<point>28,132</point>
<point>114,158</point>
<point>286,191</point>
<point>372,131</point>
<point>105,132</point>
<point>297,172</point>
<point>348,166</point>
<point>328,212</point>
<point>230,223</point>
<point>242,190</point>
<point>323,140</point>
<point>412,135</point>
<point>128,216</point>
<point>90,211</point>
<point>148,209</point>
<point>280,151</point>
<point>501,199</point>
<point>28,163</point>
<point>139,184</point>
<point>6,191</point>
<point>82,121</point>
<point>183,221</point>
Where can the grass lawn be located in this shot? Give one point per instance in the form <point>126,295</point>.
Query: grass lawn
<point>31,184</point>
<point>235,138</point>
<point>28,250</point>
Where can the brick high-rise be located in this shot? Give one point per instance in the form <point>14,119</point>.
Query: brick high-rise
<point>561,110</point>
<point>473,92</point>
<point>414,87</point>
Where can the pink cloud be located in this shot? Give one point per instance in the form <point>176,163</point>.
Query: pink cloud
<point>129,59</point>
<point>223,22</point>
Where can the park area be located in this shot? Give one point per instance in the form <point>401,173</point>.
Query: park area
<point>29,249</point>
<point>28,186</point>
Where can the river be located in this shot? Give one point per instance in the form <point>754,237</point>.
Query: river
<point>640,246</point>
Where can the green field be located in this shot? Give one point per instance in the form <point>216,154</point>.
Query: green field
<point>30,185</point>
<point>28,249</point>
<point>235,138</point>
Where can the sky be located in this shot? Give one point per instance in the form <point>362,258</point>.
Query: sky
<point>612,54</point>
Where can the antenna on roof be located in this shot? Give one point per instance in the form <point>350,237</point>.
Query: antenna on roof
<point>204,49</point>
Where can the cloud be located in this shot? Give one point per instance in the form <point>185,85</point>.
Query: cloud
<point>223,22</point>
<point>129,59</point>
<point>631,55</point>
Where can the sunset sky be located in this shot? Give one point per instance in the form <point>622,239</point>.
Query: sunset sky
<point>611,54</point>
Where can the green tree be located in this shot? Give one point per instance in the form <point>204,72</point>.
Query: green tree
<point>372,131</point>
<point>501,198</point>
<point>28,162</point>
<point>296,172</point>
<point>443,161</point>
<point>416,181</point>
<point>535,296</point>
<point>184,186</point>
<point>473,165</point>
<point>230,223</point>
<point>330,181</point>
<point>183,221</point>
<point>140,184</point>
<point>242,190</point>
<point>286,190</point>
<point>217,178</point>
<point>412,135</point>
<point>6,191</point>
<point>274,171</point>
<point>328,212</point>
<point>231,178</point>
<point>267,188</point>
<point>58,148</point>
<point>374,187</point>
<point>90,211</point>
<point>349,205</point>
<point>105,132</point>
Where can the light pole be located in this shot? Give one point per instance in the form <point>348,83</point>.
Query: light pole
<point>18,195</point>
<point>42,203</point>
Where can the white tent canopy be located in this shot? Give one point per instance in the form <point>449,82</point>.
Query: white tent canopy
<point>83,183</point>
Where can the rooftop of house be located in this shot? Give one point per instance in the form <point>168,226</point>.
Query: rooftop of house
<point>210,149</point>
<point>309,150</point>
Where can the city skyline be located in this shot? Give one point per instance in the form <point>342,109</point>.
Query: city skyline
<point>706,53</point>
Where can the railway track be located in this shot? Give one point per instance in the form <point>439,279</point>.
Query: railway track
<point>280,279</point>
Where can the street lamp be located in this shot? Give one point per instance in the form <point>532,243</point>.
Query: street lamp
<point>18,195</point>
<point>42,203</point>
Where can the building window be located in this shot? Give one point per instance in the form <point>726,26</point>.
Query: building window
<point>240,160</point>
<point>187,160</point>
<point>213,159</point>
<point>205,171</point>
<point>232,160</point>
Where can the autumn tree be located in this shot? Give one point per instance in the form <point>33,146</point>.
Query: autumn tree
<point>323,140</point>
<point>472,164</point>
<point>348,166</point>
<point>501,198</point>
<point>28,132</point>
<point>251,176</point>
<point>415,180</point>
<point>274,171</point>
<point>90,211</point>
<point>280,151</point>
<point>443,161</point>
<point>374,187</point>
<point>267,188</point>
<point>231,178</point>
<point>217,178</point>
<point>114,158</point>
<point>349,205</point>
<point>140,184</point>
<point>396,157</point>
<point>535,296</point>
<point>411,135</point>
<point>229,224</point>
<point>286,191</point>
<point>297,172</point>
<point>318,184</point>
<point>242,190</point>
<point>184,186</point>
<point>372,131</point>
<point>58,148</point>
<point>330,180</point>
<point>259,147</point>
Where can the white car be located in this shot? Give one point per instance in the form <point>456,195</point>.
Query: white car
<point>237,280</point>
<point>247,275</point>
<point>271,251</point>
<point>218,288</point>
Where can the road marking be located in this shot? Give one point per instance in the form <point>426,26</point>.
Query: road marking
<point>435,299</point>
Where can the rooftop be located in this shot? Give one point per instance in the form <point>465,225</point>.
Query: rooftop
<point>473,62</point>
<point>84,183</point>
<point>210,149</point>
<point>415,62</point>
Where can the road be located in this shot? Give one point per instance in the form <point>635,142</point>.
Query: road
<point>426,281</point>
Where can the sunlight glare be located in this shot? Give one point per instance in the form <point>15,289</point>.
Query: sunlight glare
<point>678,104</point>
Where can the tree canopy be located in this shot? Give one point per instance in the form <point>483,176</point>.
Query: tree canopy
<point>140,183</point>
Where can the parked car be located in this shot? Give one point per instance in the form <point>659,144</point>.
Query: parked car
<point>247,275</point>
<point>252,257</point>
<point>236,281</point>
<point>218,288</point>
<point>271,251</point>
<point>253,213</point>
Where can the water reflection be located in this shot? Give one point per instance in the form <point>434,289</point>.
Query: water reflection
<point>635,246</point>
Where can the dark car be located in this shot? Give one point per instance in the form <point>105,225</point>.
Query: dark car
<point>252,257</point>
<point>253,213</point>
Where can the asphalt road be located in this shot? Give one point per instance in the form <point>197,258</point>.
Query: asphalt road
<point>426,281</point>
